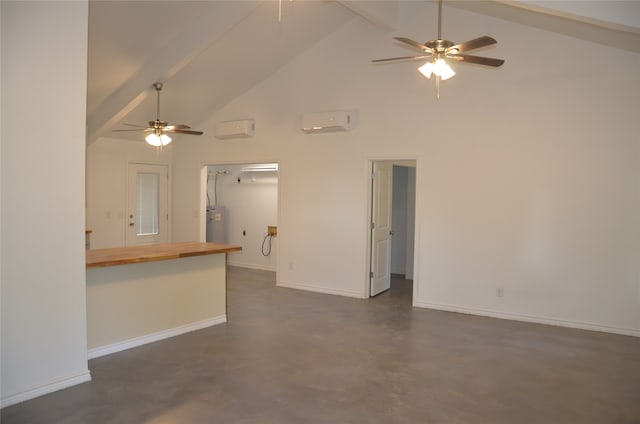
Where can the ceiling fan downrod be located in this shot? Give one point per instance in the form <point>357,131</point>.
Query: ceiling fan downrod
<point>440,20</point>
<point>158,86</point>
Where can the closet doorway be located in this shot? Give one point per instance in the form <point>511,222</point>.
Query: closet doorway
<point>240,206</point>
<point>392,223</point>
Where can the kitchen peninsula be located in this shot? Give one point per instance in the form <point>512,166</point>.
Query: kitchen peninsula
<point>138,295</point>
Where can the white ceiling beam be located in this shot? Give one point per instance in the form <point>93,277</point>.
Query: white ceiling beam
<point>613,14</point>
<point>383,14</point>
<point>188,45</point>
<point>555,21</point>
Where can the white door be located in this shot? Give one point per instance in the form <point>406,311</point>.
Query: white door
<point>381,227</point>
<point>147,204</point>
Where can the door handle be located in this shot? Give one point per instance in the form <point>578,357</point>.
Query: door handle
<point>392,233</point>
<point>131,224</point>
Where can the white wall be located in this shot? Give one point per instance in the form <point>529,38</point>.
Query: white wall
<point>107,161</point>
<point>527,175</point>
<point>251,205</point>
<point>134,304</point>
<point>44,62</point>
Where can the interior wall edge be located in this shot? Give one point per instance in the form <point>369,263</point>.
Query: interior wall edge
<point>46,388</point>
<point>252,266</point>
<point>97,352</point>
<point>323,290</point>
<point>531,319</point>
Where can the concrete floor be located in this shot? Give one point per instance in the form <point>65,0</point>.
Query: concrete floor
<point>289,356</point>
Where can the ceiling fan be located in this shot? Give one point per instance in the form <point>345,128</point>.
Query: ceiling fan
<point>158,129</point>
<point>439,50</point>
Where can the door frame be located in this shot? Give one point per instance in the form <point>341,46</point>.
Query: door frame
<point>399,160</point>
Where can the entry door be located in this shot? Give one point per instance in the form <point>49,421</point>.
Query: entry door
<point>147,204</point>
<point>381,227</point>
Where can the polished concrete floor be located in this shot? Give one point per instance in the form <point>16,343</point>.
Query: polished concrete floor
<point>289,356</point>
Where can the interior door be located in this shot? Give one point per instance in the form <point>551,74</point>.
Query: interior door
<point>147,204</point>
<point>381,227</point>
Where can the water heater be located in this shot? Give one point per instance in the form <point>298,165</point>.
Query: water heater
<point>216,225</point>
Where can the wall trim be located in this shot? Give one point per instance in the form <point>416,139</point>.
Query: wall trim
<point>43,389</point>
<point>252,266</point>
<point>96,352</point>
<point>317,289</point>
<point>530,318</point>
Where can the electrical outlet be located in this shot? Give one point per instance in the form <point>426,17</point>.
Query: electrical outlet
<point>500,292</point>
<point>272,230</point>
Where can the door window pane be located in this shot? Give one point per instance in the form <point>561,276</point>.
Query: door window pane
<point>147,204</point>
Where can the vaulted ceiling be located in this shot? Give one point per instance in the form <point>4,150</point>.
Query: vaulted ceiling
<point>209,52</point>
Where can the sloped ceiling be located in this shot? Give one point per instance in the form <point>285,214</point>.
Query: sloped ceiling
<point>206,53</point>
<point>209,52</point>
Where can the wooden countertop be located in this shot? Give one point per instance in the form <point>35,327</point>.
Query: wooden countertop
<point>154,252</point>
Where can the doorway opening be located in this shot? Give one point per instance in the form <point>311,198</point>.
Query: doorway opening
<point>239,205</point>
<point>392,223</point>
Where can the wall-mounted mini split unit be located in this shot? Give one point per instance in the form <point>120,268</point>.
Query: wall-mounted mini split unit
<point>337,120</point>
<point>242,128</point>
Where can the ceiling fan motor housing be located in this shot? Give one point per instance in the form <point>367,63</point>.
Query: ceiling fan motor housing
<point>158,124</point>
<point>439,46</point>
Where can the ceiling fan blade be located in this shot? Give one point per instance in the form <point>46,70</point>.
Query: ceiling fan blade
<point>476,43</point>
<point>186,132</point>
<point>394,59</point>
<point>136,129</point>
<point>415,44</point>
<point>488,61</point>
<point>133,125</point>
<point>177,127</point>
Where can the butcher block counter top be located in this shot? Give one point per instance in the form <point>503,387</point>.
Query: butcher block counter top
<point>97,258</point>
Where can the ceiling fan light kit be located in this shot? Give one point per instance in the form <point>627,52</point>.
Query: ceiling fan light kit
<point>439,50</point>
<point>158,140</point>
<point>158,129</point>
<point>440,69</point>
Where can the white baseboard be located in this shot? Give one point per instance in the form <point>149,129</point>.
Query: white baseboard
<point>530,318</point>
<point>154,337</point>
<point>320,290</point>
<point>46,388</point>
<point>252,266</point>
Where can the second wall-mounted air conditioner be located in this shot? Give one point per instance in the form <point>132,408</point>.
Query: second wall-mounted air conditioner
<point>242,128</point>
<point>337,120</point>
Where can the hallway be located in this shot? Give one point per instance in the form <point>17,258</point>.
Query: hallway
<point>290,356</point>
